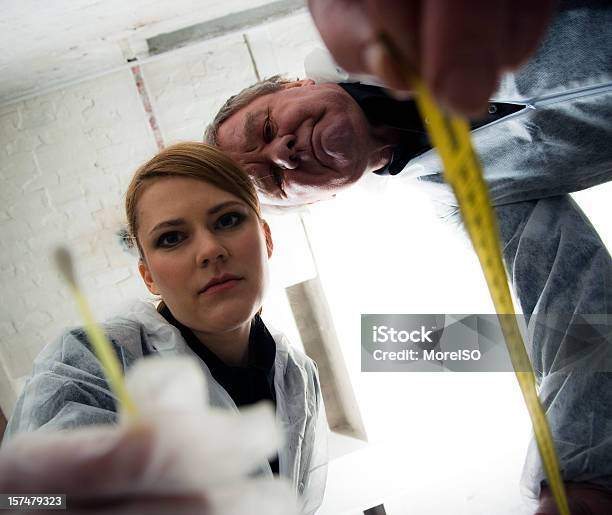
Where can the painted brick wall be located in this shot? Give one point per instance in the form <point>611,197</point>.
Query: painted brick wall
<point>187,87</point>
<point>66,158</point>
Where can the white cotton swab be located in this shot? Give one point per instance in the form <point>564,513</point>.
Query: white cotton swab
<point>101,346</point>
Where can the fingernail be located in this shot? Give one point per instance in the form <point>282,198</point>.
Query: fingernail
<point>401,94</point>
<point>380,62</point>
<point>374,57</point>
<point>466,89</point>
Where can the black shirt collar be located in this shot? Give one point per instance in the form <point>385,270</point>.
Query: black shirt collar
<point>381,109</point>
<point>236,380</point>
<point>245,385</point>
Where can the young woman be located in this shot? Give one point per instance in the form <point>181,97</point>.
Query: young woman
<point>204,249</point>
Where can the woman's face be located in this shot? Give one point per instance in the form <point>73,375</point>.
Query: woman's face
<point>205,253</point>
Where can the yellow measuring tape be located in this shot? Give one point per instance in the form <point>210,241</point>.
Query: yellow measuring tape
<point>451,136</point>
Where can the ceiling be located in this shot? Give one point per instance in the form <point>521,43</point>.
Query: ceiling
<point>47,44</point>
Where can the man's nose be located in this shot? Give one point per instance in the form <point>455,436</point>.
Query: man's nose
<point>209,249</point>
<point>283,152</point>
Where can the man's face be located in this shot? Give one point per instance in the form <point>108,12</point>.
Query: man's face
<point>300,144</point>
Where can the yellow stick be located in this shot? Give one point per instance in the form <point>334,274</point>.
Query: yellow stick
<point>101,346</point>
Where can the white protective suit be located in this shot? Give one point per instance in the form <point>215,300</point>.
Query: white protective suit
<point>67,389</point>
<point>560,270</point>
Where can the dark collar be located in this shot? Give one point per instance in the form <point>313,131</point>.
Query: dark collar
<point>380,109</point>
<point>245,385</point>
<point>261,352</point>
<point>402,115</point>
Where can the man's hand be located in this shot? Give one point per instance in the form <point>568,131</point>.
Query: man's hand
<point>459,48</point>
<point>584,499</point>
<point>102,470</point>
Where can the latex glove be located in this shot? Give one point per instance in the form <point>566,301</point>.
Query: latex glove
<point>459,48</point>
<point>178,456</point>
<point>583,498</point>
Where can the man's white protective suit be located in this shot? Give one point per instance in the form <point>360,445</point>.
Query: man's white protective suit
<point>560,270</point>
<point>67,389</point>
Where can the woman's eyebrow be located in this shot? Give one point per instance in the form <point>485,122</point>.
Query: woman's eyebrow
<point>181,221</point>
<point>223,205</point>
<point>167,223</point>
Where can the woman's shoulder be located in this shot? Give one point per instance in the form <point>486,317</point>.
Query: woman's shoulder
<point>132,332</point>
<point>290,355</point>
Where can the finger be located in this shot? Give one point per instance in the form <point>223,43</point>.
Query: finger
<point>577,507</point>
<point>526,25</point>
<point>88,461</point>
<point>391,70</point>
<point>460,51</point>
<point>583,499</point>
<point>399,21</point>
<point>346,30</point>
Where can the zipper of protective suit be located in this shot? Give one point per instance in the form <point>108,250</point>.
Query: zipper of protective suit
<point>546,101</point>
<point>462,170</point>
<point>555,98</point>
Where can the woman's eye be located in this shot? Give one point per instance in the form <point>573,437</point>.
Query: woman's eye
<point>170,239</point>
<point>229,220</point>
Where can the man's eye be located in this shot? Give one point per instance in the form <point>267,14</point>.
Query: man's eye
<point>229,220</point>
<point>170,239</point>
<point>268,131</point>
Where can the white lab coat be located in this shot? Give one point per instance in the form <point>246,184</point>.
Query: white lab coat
<point>67,389</point>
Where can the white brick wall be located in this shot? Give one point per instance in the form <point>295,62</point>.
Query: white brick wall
<point>187,88</point>
<point>281,46</point>
<point>65,159</point>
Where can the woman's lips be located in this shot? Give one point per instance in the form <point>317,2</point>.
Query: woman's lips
<point>219,287</point>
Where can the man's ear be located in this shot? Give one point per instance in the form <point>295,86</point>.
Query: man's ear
<point>147,277</point>
<point>298,83</point>
<point>268,235</point>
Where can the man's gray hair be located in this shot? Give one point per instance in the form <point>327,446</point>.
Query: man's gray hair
<point>233,105</point>
<point>238,101</point>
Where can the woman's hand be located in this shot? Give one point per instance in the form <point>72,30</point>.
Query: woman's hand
<point>460,48</point>
<point>178,454</point>
<point>102,470</point>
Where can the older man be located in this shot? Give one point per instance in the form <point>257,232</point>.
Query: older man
<point>546,134</point>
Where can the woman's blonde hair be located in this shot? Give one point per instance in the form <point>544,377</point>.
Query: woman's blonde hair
<point>194,160</point>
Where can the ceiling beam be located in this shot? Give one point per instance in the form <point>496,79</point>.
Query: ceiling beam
<point>224,25</point>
